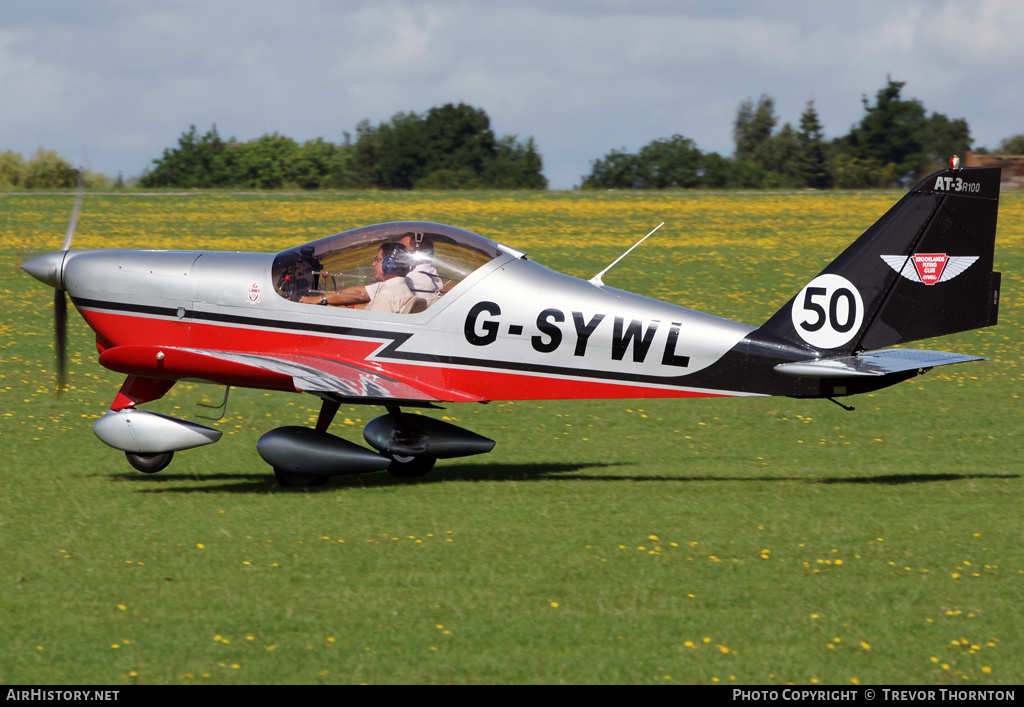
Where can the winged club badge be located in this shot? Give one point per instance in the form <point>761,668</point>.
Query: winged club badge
<point>929,268</point>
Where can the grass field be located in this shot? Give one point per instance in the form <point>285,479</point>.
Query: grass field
<point>765,541</point>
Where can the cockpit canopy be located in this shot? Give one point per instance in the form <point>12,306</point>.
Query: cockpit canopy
<point>333,263</point>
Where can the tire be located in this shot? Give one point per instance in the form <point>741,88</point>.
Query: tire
<point>292,479</point>
<point>410,467</point>
<point>149,463</point>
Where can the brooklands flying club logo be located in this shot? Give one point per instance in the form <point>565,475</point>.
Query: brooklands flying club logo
<point>929,268</point>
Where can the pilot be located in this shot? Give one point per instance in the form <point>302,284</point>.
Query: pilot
<point>389,293</point>
<point>391,266</point>
<point>423,279</point>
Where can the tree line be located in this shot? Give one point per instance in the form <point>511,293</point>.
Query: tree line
<point>449,147</point>
<point>895,142</point>
<point>46,170</point>
<point>454,147</point>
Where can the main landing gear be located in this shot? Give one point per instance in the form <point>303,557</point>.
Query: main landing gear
<point>404,467</point>
<point>407,446</point>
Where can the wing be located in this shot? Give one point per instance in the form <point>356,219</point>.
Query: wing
<point>292,372</point>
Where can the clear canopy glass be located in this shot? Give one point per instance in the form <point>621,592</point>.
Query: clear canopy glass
<point>345,259</point>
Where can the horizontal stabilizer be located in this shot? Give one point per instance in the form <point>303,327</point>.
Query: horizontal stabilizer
<point>873,363</point>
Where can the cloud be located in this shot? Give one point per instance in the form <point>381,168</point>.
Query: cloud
<point>123,80</point>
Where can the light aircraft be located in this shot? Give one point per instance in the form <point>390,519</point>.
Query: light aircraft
<point>496,325</point>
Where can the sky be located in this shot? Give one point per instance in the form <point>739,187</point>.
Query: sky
<point>116,82</point>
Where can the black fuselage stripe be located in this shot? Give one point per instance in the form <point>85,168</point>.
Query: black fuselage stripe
<point>219,318</point>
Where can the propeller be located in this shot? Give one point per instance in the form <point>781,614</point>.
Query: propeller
<point>60,302</point>
<point>60,343</point>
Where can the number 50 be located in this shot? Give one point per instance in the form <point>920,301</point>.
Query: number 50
<point>828,312</point>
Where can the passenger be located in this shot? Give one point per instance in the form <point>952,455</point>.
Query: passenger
<point>423,279</point>
<point>388,293</point>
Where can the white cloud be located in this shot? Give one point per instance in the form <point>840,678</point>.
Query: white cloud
<point>123,79</point>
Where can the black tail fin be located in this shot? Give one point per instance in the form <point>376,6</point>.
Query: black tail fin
<point>924,269</point>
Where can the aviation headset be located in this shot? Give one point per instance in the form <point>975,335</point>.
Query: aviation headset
<point>395,259</point>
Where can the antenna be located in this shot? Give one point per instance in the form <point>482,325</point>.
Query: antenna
<point>596,280</point>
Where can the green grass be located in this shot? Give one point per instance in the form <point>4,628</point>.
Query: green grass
<point>751,541</point>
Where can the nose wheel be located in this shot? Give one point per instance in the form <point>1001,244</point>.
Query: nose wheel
<point>149,463</point>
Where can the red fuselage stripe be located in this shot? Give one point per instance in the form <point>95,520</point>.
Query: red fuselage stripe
<point>440,379</point>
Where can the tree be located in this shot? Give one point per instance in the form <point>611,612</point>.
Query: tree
<point>1011,146</point>
<point>451,147</point>
<point>319,164</point>
<point>717,172</point>
<point>761,158</point>
<point>616,170</point>
<point>753,126</point>
<point>199,162</point>
<point>11,169</point>
<point>674,162</point>
<point>516,166</point>
<point>47,170</point>
<point>389,154</point>
<point>812,157</point>
<point>890,131</point>
<point>264,163</point>
<point>943,137</point>
<point>779,157</point>
<point>457,138</point>
<point>897,141</point>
